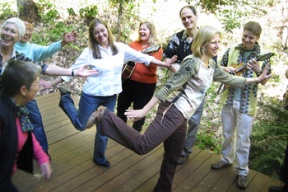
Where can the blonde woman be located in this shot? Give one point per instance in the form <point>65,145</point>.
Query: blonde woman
<point>140,87</point>
<point>179,99</point>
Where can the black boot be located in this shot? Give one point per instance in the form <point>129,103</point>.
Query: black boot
<point>63,91</point>
<point>276,189</point>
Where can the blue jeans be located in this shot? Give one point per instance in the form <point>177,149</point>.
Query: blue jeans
<point>79,118</point>
<point>193,126</point>
<point>36,119</point>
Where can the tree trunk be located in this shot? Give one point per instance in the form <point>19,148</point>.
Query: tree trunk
<point>284,28</point>
<point>120,16</point>
<point>28,10</point>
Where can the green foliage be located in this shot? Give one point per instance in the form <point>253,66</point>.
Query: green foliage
<point>230,19</point>
<point>207,140</point>
<point>275,78</point>
<point>6,11</point>
<point>212,93</point>
<point>89,13</point>
<point>50,16</point>
<point>71,12</point>
<point>269,139</point>
<point>232,13</point>
<point>47,11</point>
<point>56,33</point>
<point>128,18</point>
<point>58,30</point>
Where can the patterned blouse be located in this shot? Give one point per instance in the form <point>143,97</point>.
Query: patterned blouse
<point>191,83</point>
<point>179,45</point>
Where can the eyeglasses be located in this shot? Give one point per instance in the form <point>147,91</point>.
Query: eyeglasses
<point>39,85</point>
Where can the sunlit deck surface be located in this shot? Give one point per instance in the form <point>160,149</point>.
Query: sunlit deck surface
<point>74,170</point>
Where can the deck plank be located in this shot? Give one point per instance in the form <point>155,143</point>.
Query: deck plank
<point>73,168</point>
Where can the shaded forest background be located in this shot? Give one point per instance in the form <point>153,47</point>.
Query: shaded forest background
<point>52,18</point>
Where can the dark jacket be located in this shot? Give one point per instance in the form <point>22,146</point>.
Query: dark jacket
<point>9,144</point>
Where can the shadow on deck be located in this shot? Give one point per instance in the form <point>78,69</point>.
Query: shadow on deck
<point>74,170</point>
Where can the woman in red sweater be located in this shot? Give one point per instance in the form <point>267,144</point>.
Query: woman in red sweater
<point>140,86</point>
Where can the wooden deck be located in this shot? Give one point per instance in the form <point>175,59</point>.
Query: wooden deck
<point>73,169</point>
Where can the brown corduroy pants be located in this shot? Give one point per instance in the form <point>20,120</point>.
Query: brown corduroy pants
<point>169,128</point>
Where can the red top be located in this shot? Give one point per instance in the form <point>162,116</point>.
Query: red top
<point>142,73</point>
<point>39,154</point>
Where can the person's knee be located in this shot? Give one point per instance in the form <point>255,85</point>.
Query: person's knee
<point>142,151</point>
<point>80,128</point>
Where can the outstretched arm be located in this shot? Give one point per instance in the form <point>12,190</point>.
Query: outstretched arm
<point>174,68</point>
<point>49,84</point>
<point>45,52</point>
<point>254,66</point>
<point>166,63</point>
<point>136,115</point>
<point>55,70</point>
<point>263,78</point>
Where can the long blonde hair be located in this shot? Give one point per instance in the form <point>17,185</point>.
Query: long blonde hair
<point>203,36</point>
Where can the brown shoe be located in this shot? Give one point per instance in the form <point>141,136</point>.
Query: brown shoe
<point>92,120</point>
<point>101,110</point>
<point>96,117</point>
<point>220,164</point>
<point>242,181</point>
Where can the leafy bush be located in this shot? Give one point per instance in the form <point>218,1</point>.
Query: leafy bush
<point>269,139</point>
<point>47,11</point>
<point>55,34</point>
<point>89,13</point>
<point>207,140</point>
<point>6,11</point>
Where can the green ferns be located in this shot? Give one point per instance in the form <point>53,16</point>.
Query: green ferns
<point>269,139</point>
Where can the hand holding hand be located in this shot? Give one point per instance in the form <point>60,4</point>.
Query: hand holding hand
<point>46,170</point>
<point>173,59</point>
<point>135,115</point>
<point>168,62</point>
<point>45,84</point>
